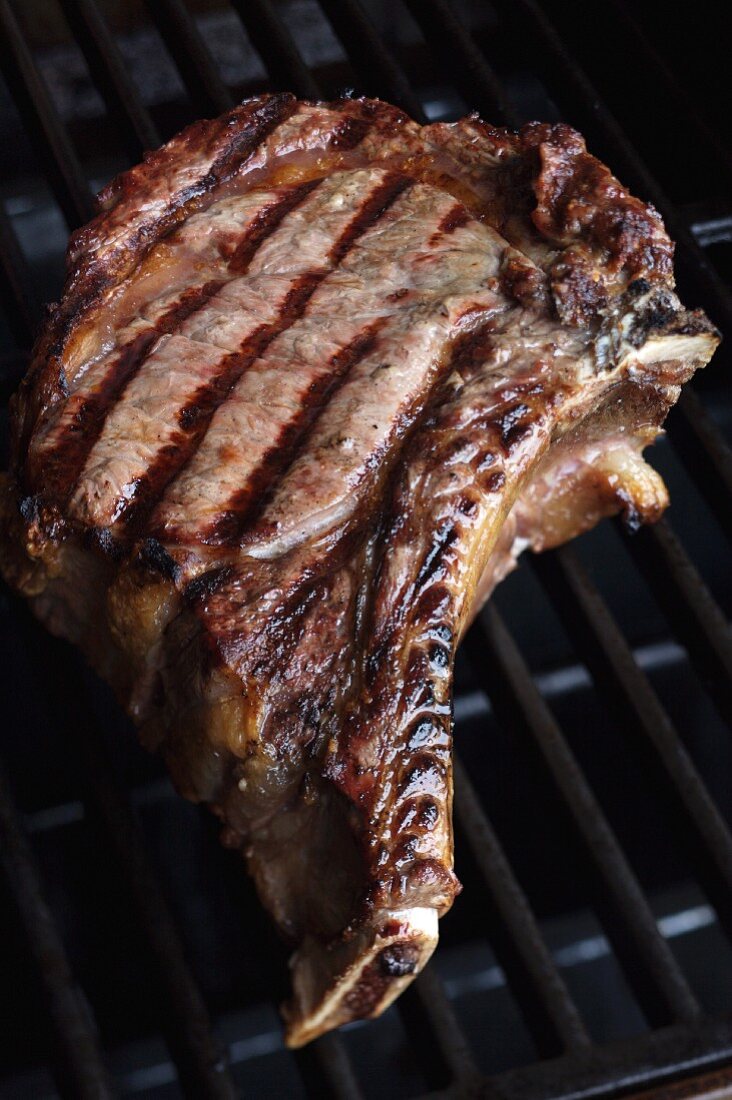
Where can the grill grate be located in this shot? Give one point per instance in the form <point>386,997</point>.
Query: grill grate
<point>680,1040</point>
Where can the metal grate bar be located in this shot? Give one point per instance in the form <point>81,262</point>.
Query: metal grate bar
<point>451,42</point>
<point>634,1063</point>
<point>12,366</point>
<point>662,75</point>
<point>430,1019</point>
<point>275,45</point>
<point>628,694</point>
<point>689,606</point>
<point>371,58</point>
<point>714,1085</point>
<point>207,90</point>
<point>707,454</point>
<point>16,286</point>
<point>202,1068</point>
<point>660,987</point>
<point>461,50</point>
<point>697,264</point>
<point>81,1072</point>
<point>536,982</point>
<point>561,67</point>
<point>111,75</point>
<point>336,1068</point>
<point>543,998</point>
<point>39,114</point>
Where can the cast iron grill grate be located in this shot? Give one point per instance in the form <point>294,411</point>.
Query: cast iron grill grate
<point>452,56</point>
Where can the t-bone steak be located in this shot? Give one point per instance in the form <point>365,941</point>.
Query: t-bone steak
<point>317,376</point>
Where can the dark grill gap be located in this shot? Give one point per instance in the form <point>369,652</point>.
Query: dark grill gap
<point>680,1040</point>
<point>660,987</point>
<point>200,75</point>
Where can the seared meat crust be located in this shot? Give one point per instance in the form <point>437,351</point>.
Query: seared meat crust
<point>317,376</point>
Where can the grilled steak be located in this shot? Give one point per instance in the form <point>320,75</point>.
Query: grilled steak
<point>317,376</point>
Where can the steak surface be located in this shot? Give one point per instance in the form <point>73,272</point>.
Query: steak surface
<point>317,376</point>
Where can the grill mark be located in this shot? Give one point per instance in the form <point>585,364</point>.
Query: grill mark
<point>470,351</point>
<point>195,416</point>
<point>466,355</point>
<point>250,501</point>
<point>454,219</point>
<point>265,224</point>
<point>206,584</point>
<point>67,459</point>
<point>405,421</point>
<point>227,524</point>
<point>350,133</point>
<point>190,300</point>
<point>63,465</point>
<point>154,555</point>
<point>244,144</point>
<point>96,275</point>
<point>393,186</point>
<point>442,540</point>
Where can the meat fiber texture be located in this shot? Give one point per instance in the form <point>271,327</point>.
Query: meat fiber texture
<point>317,376</point>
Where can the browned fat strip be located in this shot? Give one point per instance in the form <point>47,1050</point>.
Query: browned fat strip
<point>207,160</point>
<point>146,429</point>
<point>211,151</point>
<point>347,450</point>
